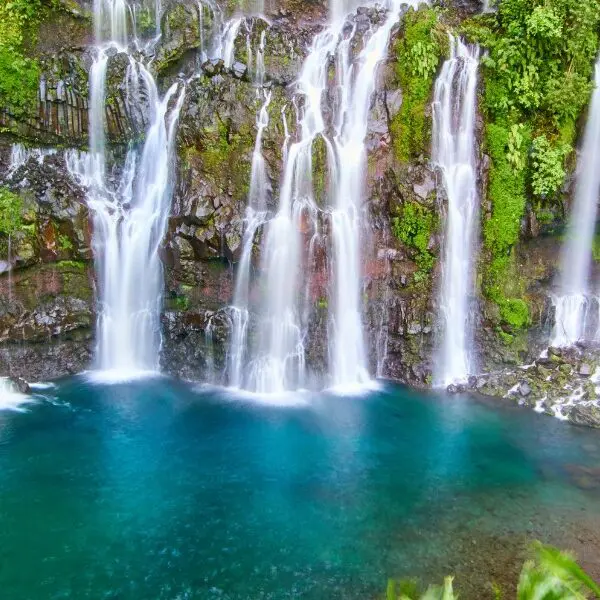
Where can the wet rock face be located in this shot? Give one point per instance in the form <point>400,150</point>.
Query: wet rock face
<point>562,383</point>
<point>468,7</point>
<point>216,141</point>
<point>55,218</point>
<point>60,113</point>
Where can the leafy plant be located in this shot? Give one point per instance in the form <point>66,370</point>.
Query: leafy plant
<point>514,153</point>
<point>413,226</point>
<point>424,55</point>
<point>19,74</point>
<point>550,575</point>
<point>10,212</point>
<point>554,575</point>
<point>418,52</point>
<point>537,75</point>
<point>548,171</point>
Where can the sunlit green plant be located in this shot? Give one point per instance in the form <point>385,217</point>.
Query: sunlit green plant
<point>550,575</point>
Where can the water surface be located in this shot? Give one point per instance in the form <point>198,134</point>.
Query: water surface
<point>157,489</point>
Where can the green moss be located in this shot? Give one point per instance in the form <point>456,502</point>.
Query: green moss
<point>507,194</point>
<point>413,225</point>
<point>77,265</point>
<point>596,248</point>
<point>506,338</point>
<point>515,312</point>
<point>224,155</point>
<point>19,73</point>
<point>11,207</point>
<point>322,303</point>
<point>319,169</point>
<point>418,53</point>
<point>506,191</point>
<point>179,302</point>
<point>64,242</point>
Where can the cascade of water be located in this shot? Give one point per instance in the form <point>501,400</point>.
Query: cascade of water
<point>19,155</point>
<point>338,9</point>
<point>110,21</point>
<point>574,299</point>
<point>224,45</point>
<point>291,234</point>
<point>255,218</point>
<point>278,363</point>
<point>130,216</point>
<point>454,112</point>
<point>259,74</point>
<point>10,397</point>
<point>356,80</point>
<point>203,54</point>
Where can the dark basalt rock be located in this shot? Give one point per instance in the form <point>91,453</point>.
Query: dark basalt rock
<point>20,385</point>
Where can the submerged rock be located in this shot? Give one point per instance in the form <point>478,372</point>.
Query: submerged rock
<point>21,385</point>
<point>524,389</point>
<point>585,370</point>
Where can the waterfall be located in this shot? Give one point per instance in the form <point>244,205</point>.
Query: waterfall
<point>19,155</point>
<point>574,301</point>
<point>224,46</point>
<point>10,397</point>
<point>454,153</point>
<point>130,205</point>
<point>338,9</point>
<point>277,361</point>
<point>356,80</point>
<point>255,218</point>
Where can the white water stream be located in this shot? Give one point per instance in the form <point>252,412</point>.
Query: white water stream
<point>276,360</point>
<point>454,144</point>
<point>574,299</point>
<point>130,205</point>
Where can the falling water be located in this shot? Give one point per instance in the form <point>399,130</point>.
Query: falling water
<point>278,362</point>
<point>19,155</point>
<point>278,357</point>
<point>224,45</point>
<point>130,206</point>
<point>573,303</point>
<point>338,9</point>
<point>10,397</point>
<point>454,111</point>
<point>255,218</point>
<point>356,80</point>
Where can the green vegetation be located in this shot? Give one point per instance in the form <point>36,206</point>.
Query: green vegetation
<point>224,155</point>
<point>64,242</point>
<point>413,225</point>
<point>501,230</point>
<point>77,265</point>
<point>319,169</point>
<point>11,208</point>
<point>19,74</point>
<point>549,575</point>
<point>548,172</point>
<point>537,80</point>
<point>418,53</point>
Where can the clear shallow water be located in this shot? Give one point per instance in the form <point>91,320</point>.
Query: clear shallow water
<point>154,489</point>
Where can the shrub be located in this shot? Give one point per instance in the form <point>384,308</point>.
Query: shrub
<point>549,575</point>
<point>413,226</point>
<point>10,212</point>
<point>547,173</point>
<point>418,54</point>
